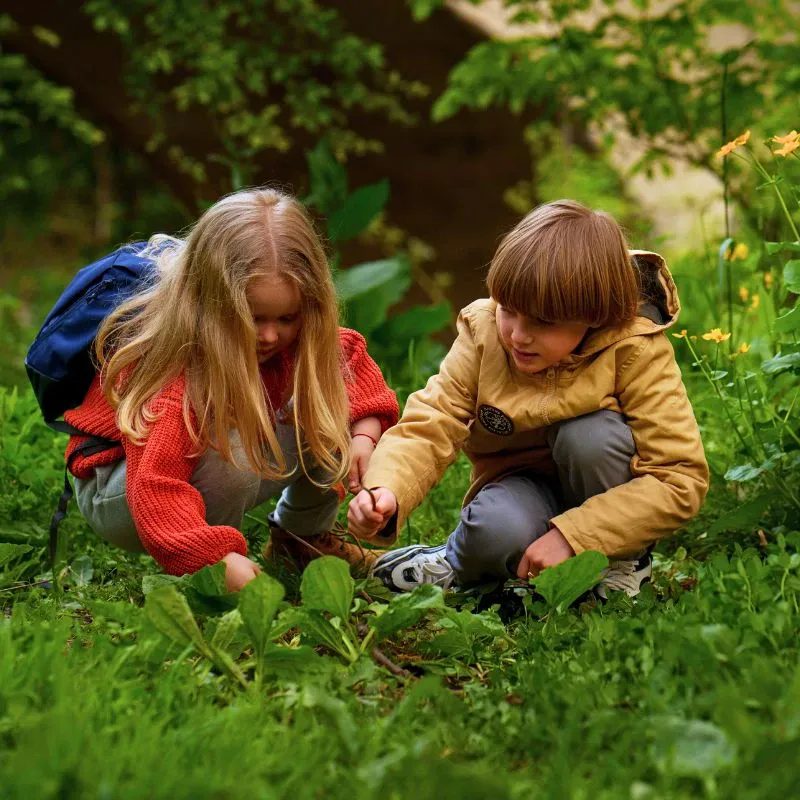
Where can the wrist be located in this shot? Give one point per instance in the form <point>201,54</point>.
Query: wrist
<point>367,436</point>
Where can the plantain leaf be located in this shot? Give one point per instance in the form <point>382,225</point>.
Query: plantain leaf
<point>406,610</point>
<point>169,612</point>
<point>258,604</point>
<point>563,584</point>
<point>328,586</point>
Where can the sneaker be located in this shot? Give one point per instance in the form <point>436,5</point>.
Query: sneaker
<point>296,552</point>
<point>626,576</point>
<point>404,569</point>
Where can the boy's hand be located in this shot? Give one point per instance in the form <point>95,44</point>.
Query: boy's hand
<point>239,571</point>
<point>546,551</point>
<point>362,447</point>
<point>364,521</point>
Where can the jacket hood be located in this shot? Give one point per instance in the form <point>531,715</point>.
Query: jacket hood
<point>659,307</point>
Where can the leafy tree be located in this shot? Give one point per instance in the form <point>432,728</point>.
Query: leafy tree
<point>245,78</point>
<point>652,65</point>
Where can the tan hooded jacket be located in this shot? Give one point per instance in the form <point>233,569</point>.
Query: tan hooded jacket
<point>480,403</point>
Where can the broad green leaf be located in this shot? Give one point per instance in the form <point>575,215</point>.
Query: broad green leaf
<point>82,570</point>
<point>152,582</point>
<point>691,748</point>
<point>8,552</point>
<point>370,290</point>
<point>225,629</point>
<point>406,610</point>
<point>789,322</point>
<point>206,590</point>
<point>563,584</point>
<point>414,323</point>
<point>209,581</point>
<point>258,604</point>
<point>328,586</point>
<point>315,627</point>
<point>169,612</point>
<point>357,211</point>
<point>743,472</point>
<point>364,278</point>
<point>742,517</point>
<point>781,363</point>
<point>791,275</point>
<point>776,247</point>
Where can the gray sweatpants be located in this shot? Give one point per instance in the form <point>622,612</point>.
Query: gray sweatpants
<point>592,453</point>
<point>227,491</point>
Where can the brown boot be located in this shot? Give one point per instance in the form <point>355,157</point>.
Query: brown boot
<point>297,552</point>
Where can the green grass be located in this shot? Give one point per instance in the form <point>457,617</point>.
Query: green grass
<point>693,690</point>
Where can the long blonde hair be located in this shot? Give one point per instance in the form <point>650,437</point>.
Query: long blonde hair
<point>194,319</point>
<point>564,262</point>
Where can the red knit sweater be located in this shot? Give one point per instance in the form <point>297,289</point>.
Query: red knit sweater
<point>168,511</point>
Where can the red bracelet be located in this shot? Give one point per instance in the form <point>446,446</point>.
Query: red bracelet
<point>372,439</point>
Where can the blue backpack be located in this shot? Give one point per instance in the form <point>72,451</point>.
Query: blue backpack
<point>59,362</point>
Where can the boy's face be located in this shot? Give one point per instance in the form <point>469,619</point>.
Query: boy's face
<point>535,345</point>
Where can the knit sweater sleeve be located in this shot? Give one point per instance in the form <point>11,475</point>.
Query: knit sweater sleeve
<point>168,511</point>
<point>367,391</point>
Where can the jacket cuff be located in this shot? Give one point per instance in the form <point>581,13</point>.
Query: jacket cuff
<point>570,533</point>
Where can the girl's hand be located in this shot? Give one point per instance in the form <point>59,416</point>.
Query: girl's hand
<point>362,452</point>
<point>239,571</point>
<point>364,521</point>
<point>546,551</point>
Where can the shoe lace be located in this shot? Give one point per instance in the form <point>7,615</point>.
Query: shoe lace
<point>621,575</point>
<point>435,569</point>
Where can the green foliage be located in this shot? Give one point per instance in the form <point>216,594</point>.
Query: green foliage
<point>254,68</point>
<point>369,291</point>
<point>652,65</point>
<point>38,127</point>
<point>751,371</point>
<point>261,75</point>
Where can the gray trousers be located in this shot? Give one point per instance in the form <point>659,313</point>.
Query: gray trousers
<point>592,453</point>
<point>227,491</point>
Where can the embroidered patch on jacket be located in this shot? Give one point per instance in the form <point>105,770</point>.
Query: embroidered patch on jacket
<point>495,421</point>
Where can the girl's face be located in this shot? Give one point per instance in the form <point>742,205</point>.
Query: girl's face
<point>275,304</point>
<point>535,345</point>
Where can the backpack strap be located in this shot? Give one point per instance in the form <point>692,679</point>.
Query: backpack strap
<point>94,444</point>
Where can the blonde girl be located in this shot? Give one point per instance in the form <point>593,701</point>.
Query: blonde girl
<point>563,391</point>
<point>228,381</point>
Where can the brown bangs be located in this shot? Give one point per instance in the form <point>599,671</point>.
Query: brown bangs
<point>566,263</point>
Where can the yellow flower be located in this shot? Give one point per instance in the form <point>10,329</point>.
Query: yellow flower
<point>793,136</point>
<point>744,293</point>
<point>693,338</point>
<point>755,302</point>
<point>787,149</point>
<point>768,280</point>
<point>727,149</point>
<point>716,335</point>
<point>743,347</point>
<point>740,252</point>
<point>681,335</point>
